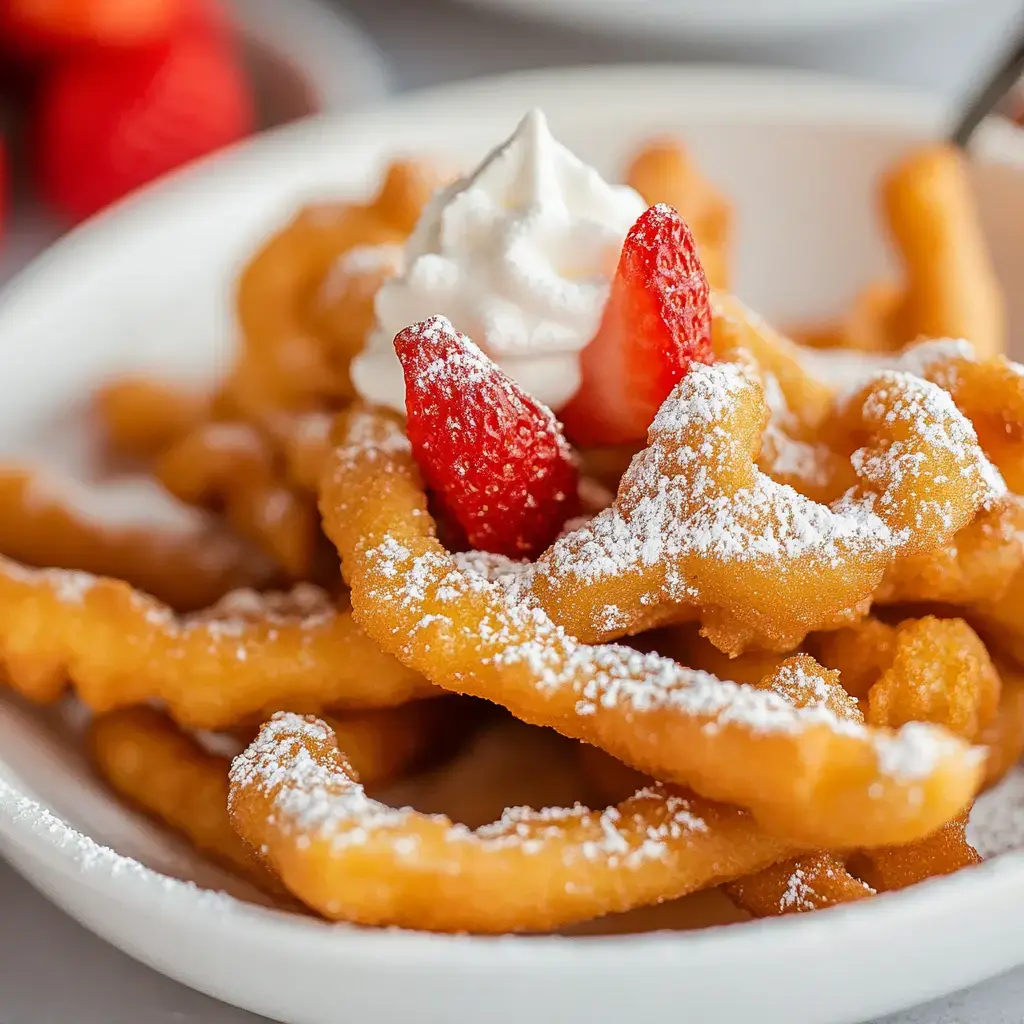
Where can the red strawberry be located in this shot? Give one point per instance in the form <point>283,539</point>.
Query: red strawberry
<point>656,323</point>
<point>34,27</point>
<point>495,456</point>
<point>109,123</point>
<point>204,17</point>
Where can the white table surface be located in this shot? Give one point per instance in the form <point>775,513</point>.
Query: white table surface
<point>54,972</point>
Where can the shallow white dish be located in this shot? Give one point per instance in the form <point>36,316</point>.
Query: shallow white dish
<point>734,20</point>
<point>148,286</point>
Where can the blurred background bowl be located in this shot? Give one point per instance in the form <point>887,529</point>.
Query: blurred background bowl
<point>714,19</point>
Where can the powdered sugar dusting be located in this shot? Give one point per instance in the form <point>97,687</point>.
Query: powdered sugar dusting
<point>305,606</point>
<point>369,436</point>
<point>463,368</point>
<point>608,676</point>
<point>801,893</point>
<point>317,802</point>
<point>784,455</point>
<point>68,586</point>
<point>311,799</point>
<point>671,506</point>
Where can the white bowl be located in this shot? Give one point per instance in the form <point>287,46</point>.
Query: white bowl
<point>148,286</point>
<point>714,19</point>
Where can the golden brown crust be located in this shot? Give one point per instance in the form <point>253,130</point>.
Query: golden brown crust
<point>819,781</point>
<point>294,797</point>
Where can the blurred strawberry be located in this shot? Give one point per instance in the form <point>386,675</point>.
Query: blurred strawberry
<point>35,27</point>
<point>109,123</point>
<point>207,17</point>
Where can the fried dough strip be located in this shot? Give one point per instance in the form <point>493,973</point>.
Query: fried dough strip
<point>938,671</point>
<point>248,654</point>
<point>235,468</point>
<point>685,645</point>
<point>148,760</point>
<point>978,562</point>
<point>140,418</point>
<point>934,670</point>
<point>974,570</point>
<point>286,363</point>
<point>808,882</point>
<point>735,328</point>
<point>929,669</point>
<point>812,882</point>
<point>950,287</point>
<point>294,797</point>
<point>805,773</point>
<point>697,530</point>
<point>182,557</point>
<point>1002,619</point>
<point>988,390</point>
<point>896,867</point>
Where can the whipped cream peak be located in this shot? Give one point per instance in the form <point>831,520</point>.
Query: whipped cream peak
<point>518,255</point>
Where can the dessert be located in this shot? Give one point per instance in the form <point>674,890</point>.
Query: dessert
<point>510,442</point>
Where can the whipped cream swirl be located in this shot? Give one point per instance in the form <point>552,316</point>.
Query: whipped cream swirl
<point>519,256</point>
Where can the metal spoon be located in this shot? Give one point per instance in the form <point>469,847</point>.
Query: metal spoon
<point>990,95</point>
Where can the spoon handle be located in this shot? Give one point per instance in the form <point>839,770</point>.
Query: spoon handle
<point>987,98</point>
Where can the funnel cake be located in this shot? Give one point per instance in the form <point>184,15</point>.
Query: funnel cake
<point>249,654</point>
<point>140,418</point>
<point>236,468</point>
<point>698,531</point>
<point>814,882</point>
<point>796,885</point>
<point>637,455</point>
<point>295,798</point>
<point>812,427</point>
<point>128,527</point>
<point>804,772</point>
<point>289,362</point>
<point>162,770</point>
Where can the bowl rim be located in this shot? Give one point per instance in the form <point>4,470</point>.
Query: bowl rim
<point>777,96</point>
<point>711,19</point>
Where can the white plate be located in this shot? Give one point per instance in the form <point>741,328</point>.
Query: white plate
<point>713,19</point>
<point>149,286</point>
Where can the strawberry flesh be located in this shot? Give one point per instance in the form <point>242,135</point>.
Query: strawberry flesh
<point>656,323</point>
<point>494,456</point>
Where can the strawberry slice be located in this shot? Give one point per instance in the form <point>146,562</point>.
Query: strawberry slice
<point>657,321</point>
<point>495,456</point>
